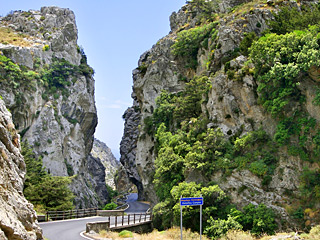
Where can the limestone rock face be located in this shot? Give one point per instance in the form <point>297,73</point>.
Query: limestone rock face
<point>128,147</point>
<point>57,116</point>
<point>103,152</point>
<point>17,218</point>
<point>232,105</point>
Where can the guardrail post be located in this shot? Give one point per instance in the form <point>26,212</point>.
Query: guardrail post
<point>140,217</point>
<point>134,218</point>
<point>129,219</point>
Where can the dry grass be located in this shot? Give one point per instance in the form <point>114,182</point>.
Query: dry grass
<point>247,7</point>
<point>170,234</point>
<point>238,235</point>
<point>8,36</point>
<point>174,234</point>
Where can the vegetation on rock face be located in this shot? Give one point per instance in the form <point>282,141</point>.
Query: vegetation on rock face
<point>290,19</point>
<point>56,77</point>
<point>190,41</point>
<point>43,190</point>
<point>8,36</point>
<point>188,143</point>
<point>279,60</point>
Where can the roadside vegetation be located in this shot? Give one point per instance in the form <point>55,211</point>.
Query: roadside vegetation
<point>174,234</point>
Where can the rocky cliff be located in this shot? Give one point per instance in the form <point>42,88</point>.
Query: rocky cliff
<point>49,89</point>
<point>209,42</point>
<point>103,152</point>
<point>17,218</point>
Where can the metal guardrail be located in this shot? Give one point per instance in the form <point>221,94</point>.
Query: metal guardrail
<point>70,214</point>
<point>120,222</point>
<point>131,219</point>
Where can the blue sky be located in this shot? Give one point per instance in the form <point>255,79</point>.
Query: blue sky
<point>113,34</point>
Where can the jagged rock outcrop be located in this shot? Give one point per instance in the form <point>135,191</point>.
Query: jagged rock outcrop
<point>101,151</point>
<point>122,182</point>
<point>128,147</point>
<point>52,96</point>
<point>17,218</point>
<point>232,105</point>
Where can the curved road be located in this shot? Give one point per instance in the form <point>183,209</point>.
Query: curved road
<point>134,206</point>
<point>71,229</point>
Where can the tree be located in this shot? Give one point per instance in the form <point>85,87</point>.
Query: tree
<point>40,188</point>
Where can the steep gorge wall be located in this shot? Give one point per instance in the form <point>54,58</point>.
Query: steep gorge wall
<point>50,93</point>
<point>17,218</point>
<point>232,105</point>
<point>101,151</point>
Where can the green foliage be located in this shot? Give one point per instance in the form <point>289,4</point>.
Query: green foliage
<point>190,41</point>
<point>290,19</point>
<point>218,228</point>
<point>258,219</point>
<point>143,69</point>
<point>316,100</point>
<point>168,212</point>
<point>300,128</point>
<point>310,185</point>
<point>188,104</point>
<point>56,77</point>
<point>46,48</point>
<point>162,215</point>
<point>111,193</point>
<point>203,9</point>
<point>84,68</point>
<point>125,234</point>
<point>40,188</point>
<point>10,72</point>
<point>58,73</point>
<point>35,170</point>
<point>110,206</point>
<point>259,168</point>
<point>278,60</point>
<point>70,170</point>
<point>174,109</point>
<point>246,42</point>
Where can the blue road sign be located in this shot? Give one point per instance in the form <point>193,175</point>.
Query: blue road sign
<point>193,201</point>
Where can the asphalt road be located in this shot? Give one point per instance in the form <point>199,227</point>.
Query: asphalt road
<point>134,206</point>
<point>71,229</point>
<point>67,229</point>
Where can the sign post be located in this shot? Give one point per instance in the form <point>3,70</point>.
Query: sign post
<point>191,201</point>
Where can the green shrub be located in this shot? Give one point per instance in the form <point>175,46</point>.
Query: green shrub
<point>218,228</point>
<point>190,41</point>
<point>246,42</point>
<point>278,60</point>
<point>70,170</point>
<point>290,19</point>
<point>125,234</point>
<point>110,206</point>
<point>40,188</point>
<point>259,168</point>
<point>46,48</point>
<point>162,216</point>
<point>258,219</point>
